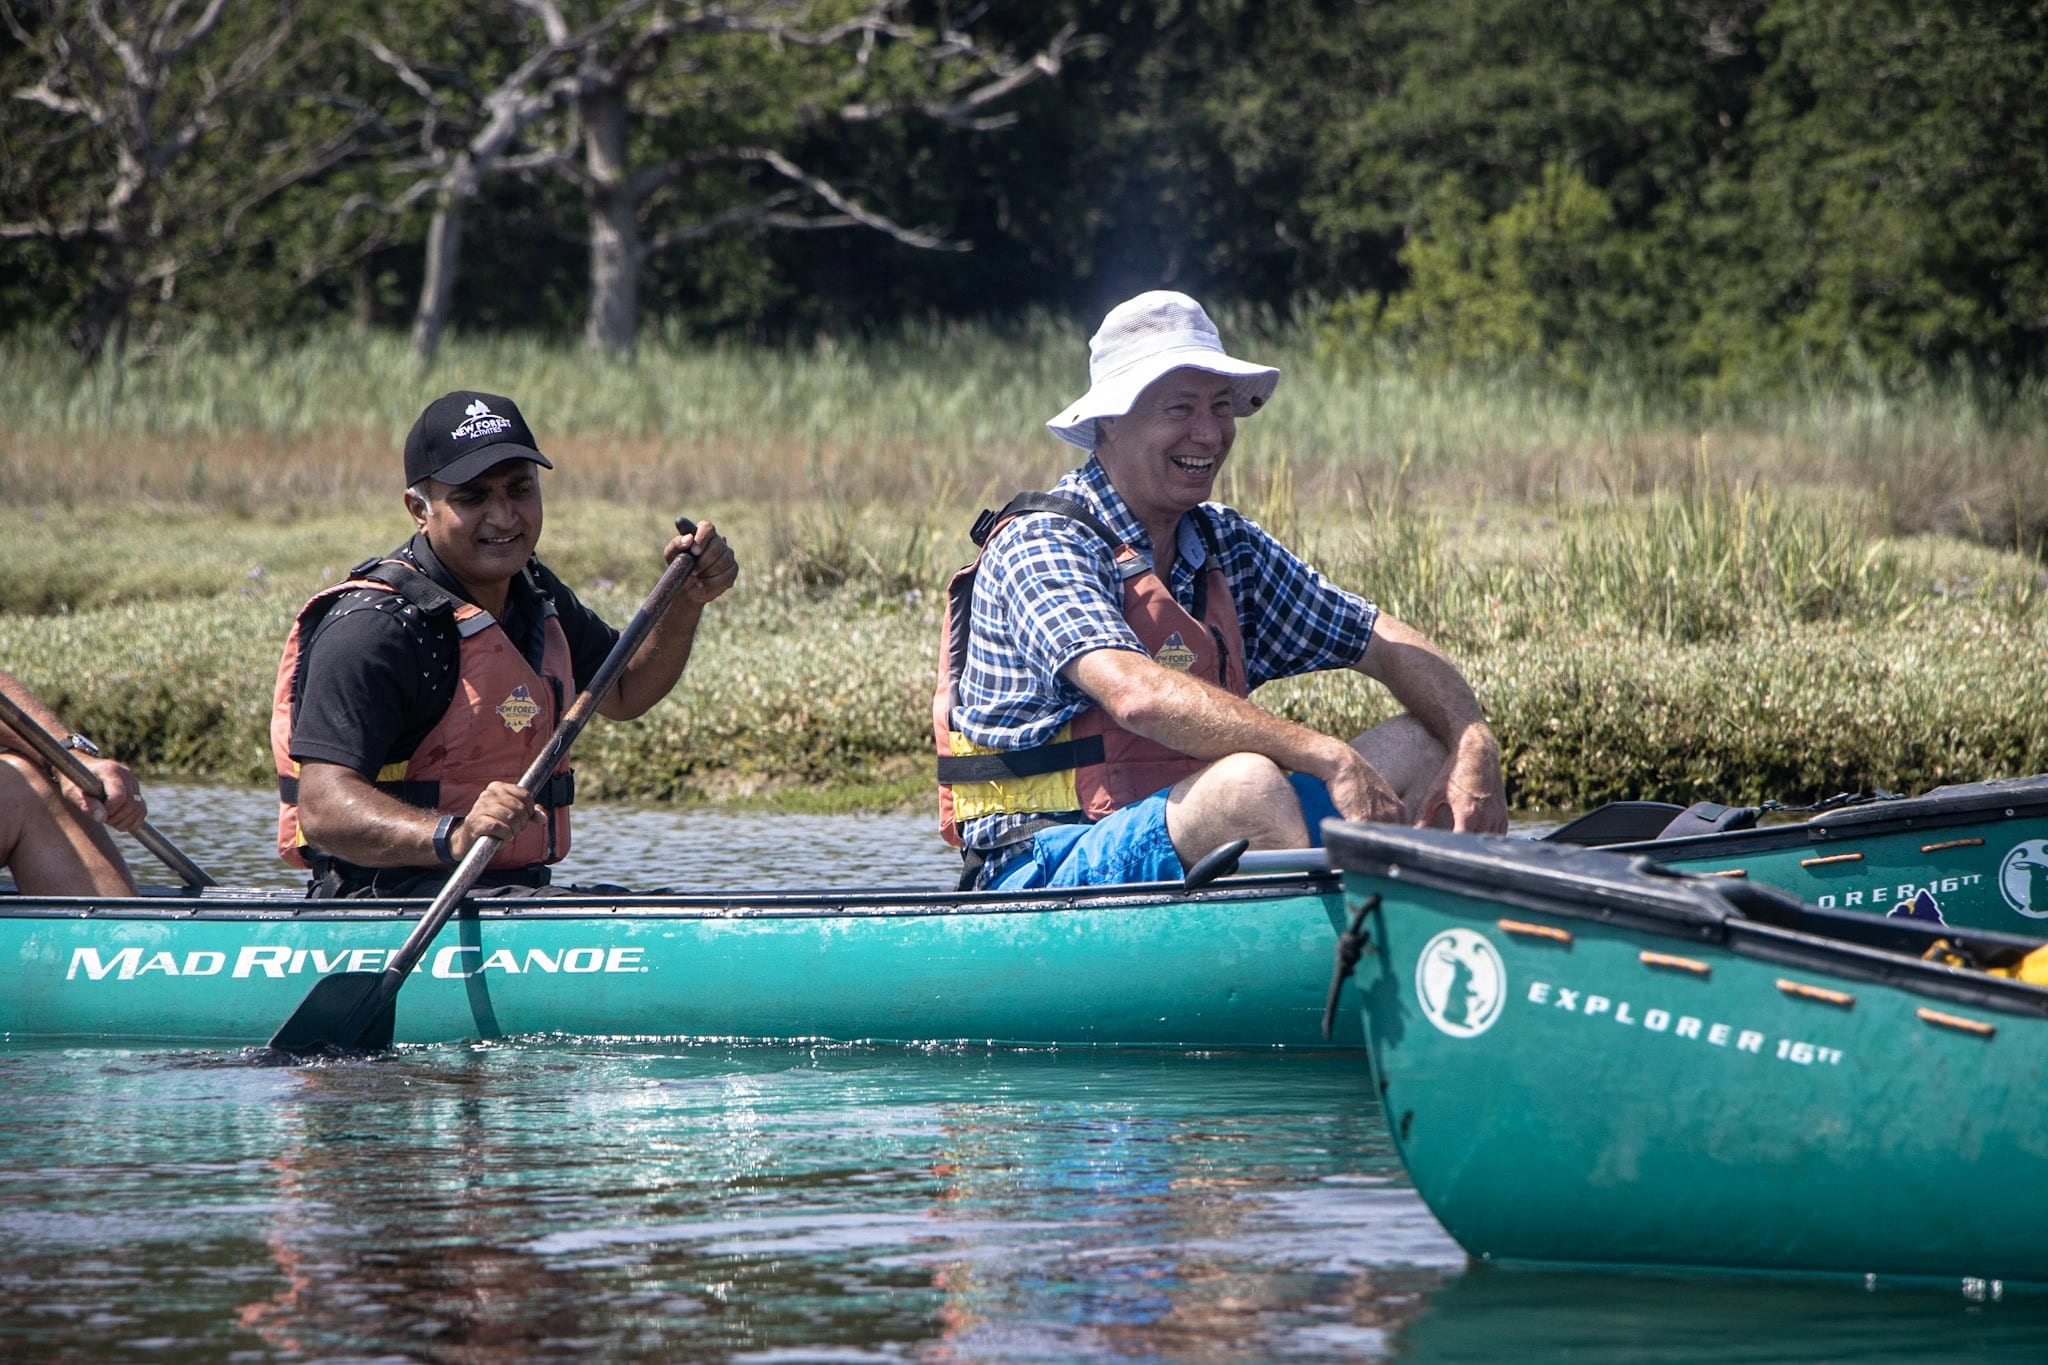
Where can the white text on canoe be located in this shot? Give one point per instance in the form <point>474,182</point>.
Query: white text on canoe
<point>455,961</point>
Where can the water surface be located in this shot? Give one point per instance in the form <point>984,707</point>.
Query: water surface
<point>232,832</point>
<point>553,1199</point>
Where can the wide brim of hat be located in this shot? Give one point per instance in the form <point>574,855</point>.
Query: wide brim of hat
<point>477,461</point>
<point>1112,396</point>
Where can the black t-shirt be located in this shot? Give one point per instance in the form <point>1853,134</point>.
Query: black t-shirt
<point>378,675</point>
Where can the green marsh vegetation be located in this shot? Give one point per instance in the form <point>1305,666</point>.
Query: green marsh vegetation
<point>1823,590</point>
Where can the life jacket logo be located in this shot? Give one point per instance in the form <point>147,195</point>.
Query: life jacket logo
<point>2023,878</point>
<point>1175,654</point>
<point>519,709</point>
<point>479,420</point>
<point>1461,982</point>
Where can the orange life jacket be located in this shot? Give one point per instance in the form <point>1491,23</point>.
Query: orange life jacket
<point>1092,765</point>
<point>500,719</point>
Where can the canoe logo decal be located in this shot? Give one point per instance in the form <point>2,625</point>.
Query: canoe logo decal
<point>1461,982</point>
<point>519,709</point>
<point>2023,878</point>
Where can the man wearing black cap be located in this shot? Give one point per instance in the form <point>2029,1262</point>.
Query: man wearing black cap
<point>410,696</point>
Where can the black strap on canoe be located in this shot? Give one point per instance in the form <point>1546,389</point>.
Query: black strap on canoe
<point>1351,945</point>
<point>1835,802</point>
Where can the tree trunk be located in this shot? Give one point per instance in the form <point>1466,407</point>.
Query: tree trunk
<point>104,310</point>
<point>614,212</point>
<point>444,255</point>
<point>363,296</point>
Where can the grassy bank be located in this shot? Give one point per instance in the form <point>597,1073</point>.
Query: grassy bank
<point>1714,640</point>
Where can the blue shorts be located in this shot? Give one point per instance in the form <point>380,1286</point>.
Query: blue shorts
<point>1130,845</point>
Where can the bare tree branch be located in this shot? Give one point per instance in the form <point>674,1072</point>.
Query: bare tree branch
<point>823,189</point>
<point>1010,77</point>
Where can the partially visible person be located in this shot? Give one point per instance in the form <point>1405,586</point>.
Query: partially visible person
<point>1093,718</point>
<point>53,837</point>
<point>411,697</point>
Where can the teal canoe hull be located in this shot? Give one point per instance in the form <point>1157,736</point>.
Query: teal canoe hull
<point>1976,855</point>
<point>1238,966</point>
<point>1586,1064</point>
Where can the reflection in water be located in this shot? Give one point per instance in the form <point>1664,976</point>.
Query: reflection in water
<point>589,1201</point>
<point>582,1200</point>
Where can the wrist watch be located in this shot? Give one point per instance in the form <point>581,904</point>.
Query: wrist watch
<point>78,743</point>
<point>444,835</point>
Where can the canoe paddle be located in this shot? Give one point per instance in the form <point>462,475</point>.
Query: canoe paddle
<point>66,762</point>
<point>1614,823</point>
<point>356,1011</point>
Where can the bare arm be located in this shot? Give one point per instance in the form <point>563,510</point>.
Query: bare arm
<point>1429,687</point>
<point>343,813</point>
<point>659,662</point>
<point>37,712</point>
<point>1206,722</point>
<point>124,809</point>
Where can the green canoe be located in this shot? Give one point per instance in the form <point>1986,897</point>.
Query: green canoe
<point>1587,1061</point>
<point>1973,855</point>
<point>1241,964</point>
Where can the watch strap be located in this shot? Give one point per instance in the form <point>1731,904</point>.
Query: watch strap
<point>444,846</point>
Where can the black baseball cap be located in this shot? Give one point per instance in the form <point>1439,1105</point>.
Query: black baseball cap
<point>461,434</point>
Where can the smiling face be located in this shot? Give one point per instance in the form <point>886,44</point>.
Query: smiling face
<point>1164,454</point>
<point>483,531</point>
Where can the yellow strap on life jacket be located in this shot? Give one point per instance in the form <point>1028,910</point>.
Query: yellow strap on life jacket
<point>1041,793</point>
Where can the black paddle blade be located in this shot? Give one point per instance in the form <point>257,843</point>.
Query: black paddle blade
<point>344,1012</point>
<point>1617,822</point>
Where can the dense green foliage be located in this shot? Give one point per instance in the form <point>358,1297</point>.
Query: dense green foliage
<point>1721,197</point>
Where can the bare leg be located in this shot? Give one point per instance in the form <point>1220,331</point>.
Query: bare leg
<point>1247,796</point>
<point>89,863</point>
<point>1240,796</point>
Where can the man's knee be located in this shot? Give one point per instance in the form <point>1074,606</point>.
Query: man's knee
<point>1241,795</point>
<point>1244,780</point>
<point>1403,752</point>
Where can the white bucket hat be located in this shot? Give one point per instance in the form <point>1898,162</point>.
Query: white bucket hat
<point>1144,338</point>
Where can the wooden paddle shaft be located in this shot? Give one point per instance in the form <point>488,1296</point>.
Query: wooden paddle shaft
<point>66,762</point>
<point>573,721</point>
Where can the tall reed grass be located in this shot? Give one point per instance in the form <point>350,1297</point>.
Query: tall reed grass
<point>955,412</point>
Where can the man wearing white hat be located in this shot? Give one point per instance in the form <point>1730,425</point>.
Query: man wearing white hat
<point>1092,715</point>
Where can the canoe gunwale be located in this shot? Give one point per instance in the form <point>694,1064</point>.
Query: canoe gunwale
<point>1753,921</point>
<point>2021,798</point>
<point>288,907</point>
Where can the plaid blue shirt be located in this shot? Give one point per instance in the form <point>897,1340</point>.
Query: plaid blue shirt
<point>1048,592</point>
